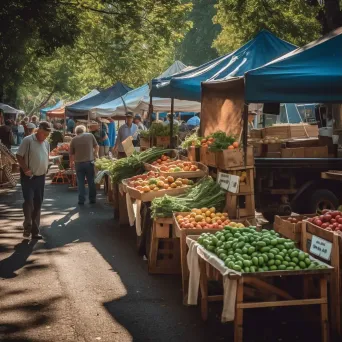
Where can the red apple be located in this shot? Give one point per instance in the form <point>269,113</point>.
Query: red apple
<point>310,219</point>
<point>325,211</point>
<point>332,220</point>
<point>321,217</point>
<point>337,217</point>
<point>325,225</point>
<point>335,213</point>
<point>339,220</point>
<point>339,227</point>
<point>335,225</point>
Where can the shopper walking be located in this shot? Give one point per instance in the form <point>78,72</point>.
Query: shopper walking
<point>83,150</point>
<point>21,131</point>
<point>33,159</point>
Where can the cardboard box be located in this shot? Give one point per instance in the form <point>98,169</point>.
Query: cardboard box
<point>316,152</point>
<point>303,131</point>
<point>292,152</point>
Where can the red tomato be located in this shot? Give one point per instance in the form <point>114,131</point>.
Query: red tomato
<point>337,217</point>
<point>327,217</point>
<point>339,220</point>
<point>321,217</point>
<point>325,211</point>
<point>332,220</point>
<point>318,223</point>
<point>339,227</point>
<point>335,213</point>
<point>325,225</point>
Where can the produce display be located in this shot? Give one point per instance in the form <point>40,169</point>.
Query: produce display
<point>178,166</point>
<point>205,218</point>
<point>134,164</point>
<point>159,129</point>
<point>246,250</point>
<point>162,160</point>
<point>270,140</point>
<point>62,148</point>
<point>152,181</point>
<point>192,141</point>
<point>205,194</point>
<point>242,175</point>
<point>103,163</point>
<point>329,220</point>
<point>219,141</point>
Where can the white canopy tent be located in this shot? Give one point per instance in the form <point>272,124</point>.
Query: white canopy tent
<point>10,110</point>
<point>138,100</point>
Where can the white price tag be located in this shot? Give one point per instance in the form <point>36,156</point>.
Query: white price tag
<point>228,182</point>
<point>320,247</point>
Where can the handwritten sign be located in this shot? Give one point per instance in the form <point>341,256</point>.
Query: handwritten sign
<point>229,182</point>
<point>320,247</point>
<point>128,147</point>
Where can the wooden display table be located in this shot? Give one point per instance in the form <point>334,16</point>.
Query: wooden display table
<point>309,231</point>
<point>249,282</point>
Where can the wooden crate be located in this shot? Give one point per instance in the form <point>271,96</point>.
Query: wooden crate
<point>282,132</point>
<point>149,196</point>
<point>309,230</point>
<point>292,152</point>
<point>202,171</point>
<point>255,133</point>
<point>248,185</point>
<point>182,233</point>
<point>234,158</point>
<point>207,157</point>
<point>194,154</point>
<point>290,230</point>
<point>316,152</point>
<point>162,141</point>
<point>303,131</point>
<point>123,213</point>
<point>239,206</point>
<point>268,148</point>
<point>164,255</point>
<point>145,143</point>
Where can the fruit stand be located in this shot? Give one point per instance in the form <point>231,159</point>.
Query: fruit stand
<point>265,259</point>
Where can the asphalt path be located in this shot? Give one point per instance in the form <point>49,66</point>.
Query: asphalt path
<point>86,282</point>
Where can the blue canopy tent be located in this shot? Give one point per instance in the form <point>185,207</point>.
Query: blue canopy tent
<point>138,100</point>
<point>257,52</point>
<point>44,111</point>
<point>312,73</point>
<point>83,107</point>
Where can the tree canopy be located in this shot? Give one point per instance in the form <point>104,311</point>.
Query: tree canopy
<point>297,21</point>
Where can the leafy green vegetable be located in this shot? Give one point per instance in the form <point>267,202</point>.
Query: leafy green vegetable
<point>207,193</point>
<point>221,141</point>
<point>192,140</point>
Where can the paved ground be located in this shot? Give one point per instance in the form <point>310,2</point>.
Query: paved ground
<point>86,282</point>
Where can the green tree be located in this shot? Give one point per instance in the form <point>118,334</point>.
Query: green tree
<point>196,48</point>
<point>103,41</point>
<point>291,20</point>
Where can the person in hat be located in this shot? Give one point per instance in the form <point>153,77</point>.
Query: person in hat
<point>129,129</point>
<point>137,120</point>
<point>33,159</point>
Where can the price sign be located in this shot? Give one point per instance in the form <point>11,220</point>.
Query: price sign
<point>229,182</point>
<point>128,146</point>
<point>320,247</point>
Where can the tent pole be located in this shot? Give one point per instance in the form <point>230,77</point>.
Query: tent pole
<point>245,131</point>
<point>150,109</point>
<point>171,123</point>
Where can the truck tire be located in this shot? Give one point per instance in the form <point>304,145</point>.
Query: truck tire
<point>322,199</point>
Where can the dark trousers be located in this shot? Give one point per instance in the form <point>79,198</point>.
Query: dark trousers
<point>33,192</point>
<point>86,170</point>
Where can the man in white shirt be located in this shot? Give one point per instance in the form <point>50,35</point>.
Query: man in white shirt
<point>33,158</point>
<point>125,131</point>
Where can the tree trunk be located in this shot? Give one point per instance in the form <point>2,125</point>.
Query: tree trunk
<point>332,14</point>
<point>43,103</point>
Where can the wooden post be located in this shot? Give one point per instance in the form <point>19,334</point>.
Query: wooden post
<point>324,309</point>
<point>150,108</point>
<point>171,124</point>
<point>245,131</point>
<point>238,320</point>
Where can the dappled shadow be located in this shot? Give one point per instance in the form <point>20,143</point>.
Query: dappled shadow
<point>17,260</point>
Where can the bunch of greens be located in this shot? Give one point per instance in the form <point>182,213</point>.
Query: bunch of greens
<point>192,140</point>
<point>207,193</point>
<point>221,141</point>
<point>158,129</point>
<point>134,164</point>
<point>145,134</point>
